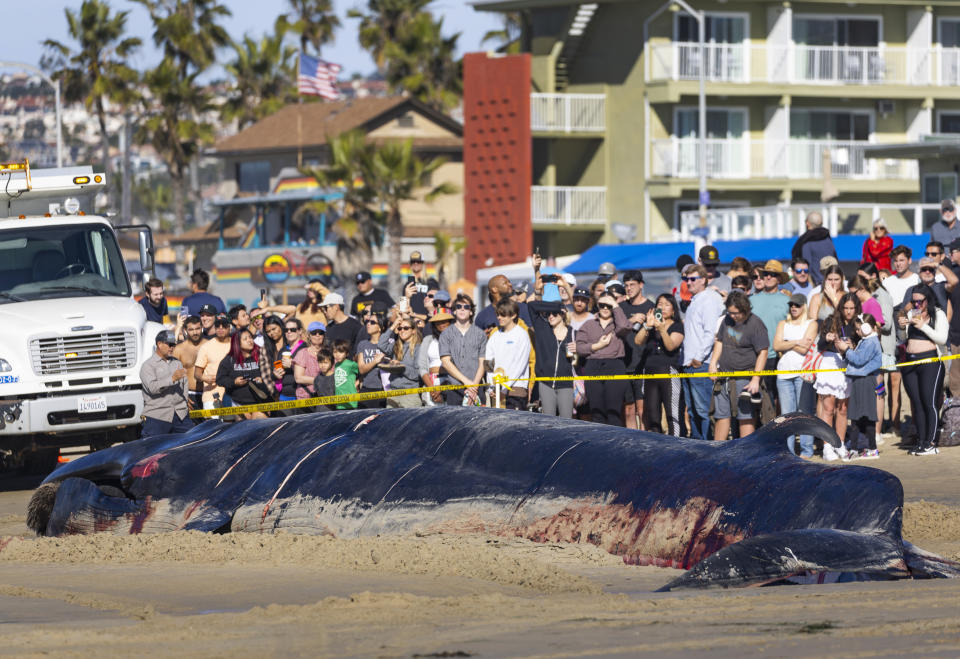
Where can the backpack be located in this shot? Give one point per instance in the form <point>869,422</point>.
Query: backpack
<point>950,424</point>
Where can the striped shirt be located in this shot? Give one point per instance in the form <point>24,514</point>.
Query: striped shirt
<point>464,349</point>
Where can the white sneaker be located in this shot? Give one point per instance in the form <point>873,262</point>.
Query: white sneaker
<point>930,450</point>
<point>829,453</point>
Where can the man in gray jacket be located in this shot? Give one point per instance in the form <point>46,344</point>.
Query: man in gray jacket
<point>164,382</point>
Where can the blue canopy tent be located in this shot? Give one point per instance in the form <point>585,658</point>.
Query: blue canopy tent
<point>659,256</point>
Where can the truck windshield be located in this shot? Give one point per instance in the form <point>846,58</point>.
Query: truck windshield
<point>75,260</point>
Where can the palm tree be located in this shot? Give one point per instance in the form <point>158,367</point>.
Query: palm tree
<point>407,44</point>
<point>394,174</point>
<point>189,35</point>
<point>509,35</point>
<point>169,127</point>
<point>359,229</point>
<point>446,248</point>
<point>383,23</point>
<point>263,73</point>
<point>96,72</point>
<point>315,22</point>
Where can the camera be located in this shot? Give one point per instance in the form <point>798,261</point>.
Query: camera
<point>549,279</point>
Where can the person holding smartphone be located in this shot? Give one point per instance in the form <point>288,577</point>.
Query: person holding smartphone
<point>659,340</point>
<point>600,342</point>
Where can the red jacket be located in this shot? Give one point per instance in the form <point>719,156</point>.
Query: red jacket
<point>878,252</point>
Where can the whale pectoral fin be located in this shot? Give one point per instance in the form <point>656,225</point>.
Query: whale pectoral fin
<point>767,558</point>
<point>926,565</point>
<point>794,423</point>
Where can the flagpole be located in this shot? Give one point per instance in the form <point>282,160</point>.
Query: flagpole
<point>299,116</point>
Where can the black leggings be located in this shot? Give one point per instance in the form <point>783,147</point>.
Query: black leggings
<point>605,397</point>
<point>664,392</point>
<point>375,404</point>
<point>923,384</point>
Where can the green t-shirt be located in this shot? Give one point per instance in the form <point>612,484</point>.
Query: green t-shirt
<point>345,376</point>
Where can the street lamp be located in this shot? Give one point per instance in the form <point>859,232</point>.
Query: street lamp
<point>700,17</point>
<point>56,92</point>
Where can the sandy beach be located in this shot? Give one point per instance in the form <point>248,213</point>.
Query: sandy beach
<point>195,594</point>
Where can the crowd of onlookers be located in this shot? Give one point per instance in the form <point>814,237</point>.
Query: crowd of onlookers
<point>797,318</point>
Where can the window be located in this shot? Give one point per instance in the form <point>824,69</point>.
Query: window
<point>720,29</point>
<point>253,176</point>
<point>950,32</point>
<point>405,121</point>
<point>829,125</point>
<point>831,31</point>
<point>937,187</point>
<point>948,122</point>
<point>721,123</point>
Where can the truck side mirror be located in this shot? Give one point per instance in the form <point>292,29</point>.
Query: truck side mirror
<point>146,251</point>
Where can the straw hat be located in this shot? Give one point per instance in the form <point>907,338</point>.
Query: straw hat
<point>776,267</point>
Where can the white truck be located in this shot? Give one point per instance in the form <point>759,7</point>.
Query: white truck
<point>72,336</point>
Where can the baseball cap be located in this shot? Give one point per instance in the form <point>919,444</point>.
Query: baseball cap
<point>316,325</point>
<point>570,279</point>
<point>709,255</point>
<point>222,320</point>
<point>608,269</point>
<point>955,245</point>
<point>441,296</point>
<point>798,298</point>
<point>416,257</point>
<point>827,261</point>
<point>363,276</point>
<point>208,309</point>
<point>166,336</point>
<point>581,292</point>
<point>332,298</point>
<point>947,205</point>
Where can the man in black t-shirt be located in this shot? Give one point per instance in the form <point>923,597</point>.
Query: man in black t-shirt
<point>339,324</point>
<point>635,307</point>
<point>367,295</point>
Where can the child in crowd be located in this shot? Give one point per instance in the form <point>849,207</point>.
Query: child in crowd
<point>323,384</point>
<point>346,373</point>
<point>863,364</point>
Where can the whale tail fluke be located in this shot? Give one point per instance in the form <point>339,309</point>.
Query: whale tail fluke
<point>799,555</point>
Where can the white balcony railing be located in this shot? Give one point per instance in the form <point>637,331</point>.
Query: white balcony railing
<point>568,113</point>
<point>787,221</point>
<point>568,205</point>
<point>792,159</point>
<point>799,63</point>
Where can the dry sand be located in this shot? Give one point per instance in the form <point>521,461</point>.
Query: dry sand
<point>200,594</point>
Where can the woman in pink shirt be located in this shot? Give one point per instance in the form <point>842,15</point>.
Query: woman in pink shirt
<point>863,288</point>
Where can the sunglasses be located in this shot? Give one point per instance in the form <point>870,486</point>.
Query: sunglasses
<point>931,271</point>
<point>802,271</point>
<point>372,321</point>
<point>429,294</point>
<point>933,253</point>
<point>918,303</point>
<point>404,328</point>
<point>554,313</point>
<point>462,306</point>
<point>794,305</point>
<point>604,305</point>
<point>317,333</point>
<point>758,276</point>
<point>290,329</point>
<point>691,278</point>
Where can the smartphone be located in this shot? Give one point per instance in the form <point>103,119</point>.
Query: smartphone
<point>537,251</point>
<point>658,314</point>
<point>263,294</point>
<point>403,304</point>
<point>549,279</point>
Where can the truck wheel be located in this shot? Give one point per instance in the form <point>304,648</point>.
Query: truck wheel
<point>40,461</point>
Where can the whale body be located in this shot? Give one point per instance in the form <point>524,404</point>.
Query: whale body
<point>743,512</point>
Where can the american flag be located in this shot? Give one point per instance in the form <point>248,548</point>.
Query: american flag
<point>318,78</point>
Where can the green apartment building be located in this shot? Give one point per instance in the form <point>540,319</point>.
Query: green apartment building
<point>795,90</point>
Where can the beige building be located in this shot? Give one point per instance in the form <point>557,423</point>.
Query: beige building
<point>795,92</point>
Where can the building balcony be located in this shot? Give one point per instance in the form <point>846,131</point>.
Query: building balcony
<point>568,206</point>
<point>774,159</point>
<point>568,113</point>
<point>802,64</point>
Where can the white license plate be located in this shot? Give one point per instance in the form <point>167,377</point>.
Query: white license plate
<point>87,404</point>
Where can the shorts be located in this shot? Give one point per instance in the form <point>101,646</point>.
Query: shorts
<point>634,391</point>
<point>721,400</point>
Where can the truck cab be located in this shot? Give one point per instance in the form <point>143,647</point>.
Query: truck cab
<point>72,336</point>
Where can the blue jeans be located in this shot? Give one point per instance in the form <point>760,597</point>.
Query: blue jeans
<point>153,427</point>
<point>698,392</point>
<point>789,391</point>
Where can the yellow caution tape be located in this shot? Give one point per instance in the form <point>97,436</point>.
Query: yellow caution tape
<point>502,380</point>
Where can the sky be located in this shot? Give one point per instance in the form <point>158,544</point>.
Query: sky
<point>31,22</point>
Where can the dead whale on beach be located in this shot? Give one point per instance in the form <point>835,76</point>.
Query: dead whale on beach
<point>744,512</point>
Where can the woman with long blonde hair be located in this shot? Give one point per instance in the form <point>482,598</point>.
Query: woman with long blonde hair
<point>403,371</point>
